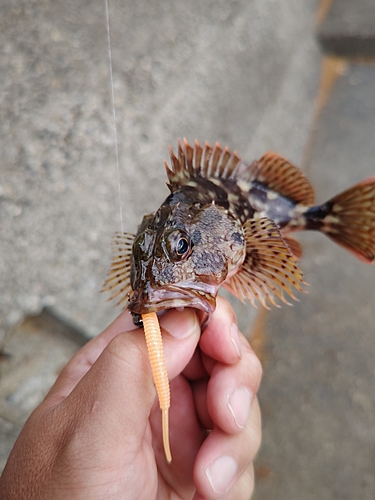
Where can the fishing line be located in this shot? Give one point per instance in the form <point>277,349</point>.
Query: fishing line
<point>151,323</point>
<point>114,113</point>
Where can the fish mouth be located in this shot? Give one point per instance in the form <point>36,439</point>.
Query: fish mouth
<point>198,296</point>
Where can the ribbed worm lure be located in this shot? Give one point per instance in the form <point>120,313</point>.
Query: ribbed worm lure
<point>159,371</point>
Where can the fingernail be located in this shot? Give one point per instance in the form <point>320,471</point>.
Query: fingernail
<point>235,339</point>
<point>220,473</point>
<point>239,404</point>
<point>180,324</point>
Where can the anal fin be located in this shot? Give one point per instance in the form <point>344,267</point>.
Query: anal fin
<point>294,246</point>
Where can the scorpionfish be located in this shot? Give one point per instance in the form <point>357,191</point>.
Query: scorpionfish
<point>227,223</point>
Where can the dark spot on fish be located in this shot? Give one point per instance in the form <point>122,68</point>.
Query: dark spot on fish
<point>157,218</point>
<point>137,320</point>
<point>196,237</point>
<point>237,238</point>
<point>209,262</point>
<point>259,190</point>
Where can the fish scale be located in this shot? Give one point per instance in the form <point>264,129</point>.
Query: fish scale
<point>232,219</point>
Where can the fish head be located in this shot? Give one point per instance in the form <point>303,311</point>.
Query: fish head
<point>181,255</point>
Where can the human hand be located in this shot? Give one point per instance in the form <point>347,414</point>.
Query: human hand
<point>97,434</point>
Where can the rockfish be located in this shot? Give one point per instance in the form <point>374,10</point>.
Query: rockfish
<point>227,223</point>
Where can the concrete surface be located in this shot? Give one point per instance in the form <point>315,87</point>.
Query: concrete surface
<point>349,29</point>
<point>34,356</point>
<point>317,394</point>
<point>238,72</point>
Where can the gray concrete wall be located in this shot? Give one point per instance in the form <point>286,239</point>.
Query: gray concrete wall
<point>244,73</point>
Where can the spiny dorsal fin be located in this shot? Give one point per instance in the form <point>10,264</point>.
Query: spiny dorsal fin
<point>281,176</point>
<point>269,267</point>
<point>118,278</point>
<point>205,162</point>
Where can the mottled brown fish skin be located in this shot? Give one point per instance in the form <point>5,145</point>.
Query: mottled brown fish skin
<point>273,188</point>
<point>188,240</point>
<point>226,222</point>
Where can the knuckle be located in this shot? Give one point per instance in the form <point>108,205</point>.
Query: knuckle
<point>254,369</point>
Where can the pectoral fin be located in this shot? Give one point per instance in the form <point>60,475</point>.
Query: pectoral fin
<point>118,278</point>
<point>269,268</point>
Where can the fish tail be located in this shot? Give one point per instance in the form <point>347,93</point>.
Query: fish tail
<point>349,219</point>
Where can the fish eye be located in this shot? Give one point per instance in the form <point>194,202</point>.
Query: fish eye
<point>182,246</point>
<point>177,245</point>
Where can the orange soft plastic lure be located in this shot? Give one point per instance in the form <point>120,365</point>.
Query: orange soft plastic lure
<point>156,354</point>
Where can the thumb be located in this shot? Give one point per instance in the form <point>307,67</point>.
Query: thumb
<point>181,333</point>
<point>114,398</point>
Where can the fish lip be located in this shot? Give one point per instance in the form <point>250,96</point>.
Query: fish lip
<point>197,296</point>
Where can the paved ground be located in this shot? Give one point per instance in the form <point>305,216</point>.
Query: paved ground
<point>317,395</point>
<point>34,356</point>
<point>348,30</point>
<point>245,74</point>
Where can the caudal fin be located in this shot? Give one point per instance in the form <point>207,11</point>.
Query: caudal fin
<point>351,220</point>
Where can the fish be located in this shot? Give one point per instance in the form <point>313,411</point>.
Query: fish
<point>228,223</point>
